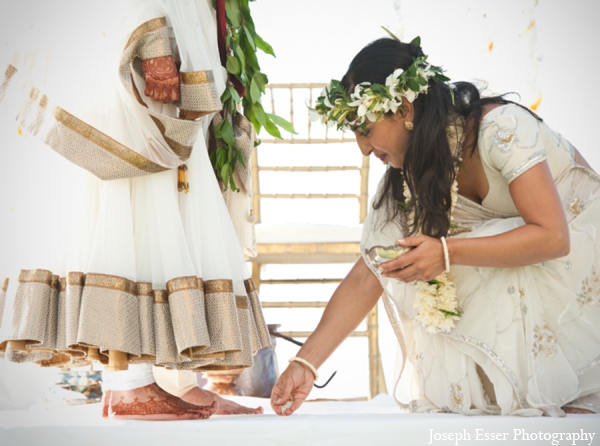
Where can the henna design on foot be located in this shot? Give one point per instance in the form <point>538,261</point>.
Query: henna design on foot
<point>152,403</point>
<point>200,396</point>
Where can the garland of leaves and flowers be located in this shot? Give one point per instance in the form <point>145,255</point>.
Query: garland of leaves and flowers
<point>238,46</point>
<point>436,299</point>
<point>372,101</point>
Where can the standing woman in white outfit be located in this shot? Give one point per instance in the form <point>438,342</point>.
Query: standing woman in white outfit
<point>146,274</point>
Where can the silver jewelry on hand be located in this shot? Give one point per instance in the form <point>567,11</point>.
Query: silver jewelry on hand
<point>446,255</point>
<point>307,364</point>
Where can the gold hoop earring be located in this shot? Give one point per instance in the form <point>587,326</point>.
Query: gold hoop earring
<point>409,125</point>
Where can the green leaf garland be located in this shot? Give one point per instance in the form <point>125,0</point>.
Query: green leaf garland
<point>242,45</point>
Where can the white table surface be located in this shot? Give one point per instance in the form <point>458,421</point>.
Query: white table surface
<point>375,422</point>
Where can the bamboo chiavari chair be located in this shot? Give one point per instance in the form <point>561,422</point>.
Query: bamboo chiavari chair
<point>326,248</point>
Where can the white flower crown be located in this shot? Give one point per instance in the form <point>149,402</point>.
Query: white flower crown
<point>372,101</point>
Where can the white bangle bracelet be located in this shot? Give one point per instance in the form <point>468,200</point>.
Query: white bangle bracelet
<point>446,255</point>
<point>307,364</point>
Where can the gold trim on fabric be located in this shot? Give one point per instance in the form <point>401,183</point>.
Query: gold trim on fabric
<point>11,70</point>
<point>249,284</point>
<point>5,285</point>
<point>196,114</point>
<point>105,142</point>
<point>63,284</point>
<point>182,283</point>
<point>110,282</point>
<point>182,151</point>
<point>55,282</point>
<point>34,93</point>
<point>56,360</point>
<point>75,279</point>
<point>196,353</point>
<point>196,77</point>
<point>36,275</point>
<point>43,101</point>
<point>218,286</point>
<point>143,289</point>
<point>161,296</point>
<point>144,358</point>
<point>146,27</point>
<point>93,353</point>
<point>241,302</point>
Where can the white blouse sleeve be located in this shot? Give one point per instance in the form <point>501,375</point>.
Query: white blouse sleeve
<point>510,142</point>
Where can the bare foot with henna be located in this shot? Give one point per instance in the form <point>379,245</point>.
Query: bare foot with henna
<point>151,403</point>
<point>202,397</point>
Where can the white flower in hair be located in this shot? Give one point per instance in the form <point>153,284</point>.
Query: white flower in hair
<point>315,116</point>
<point>362,102</point>
<point>372,102</point>
<point>410,95</point>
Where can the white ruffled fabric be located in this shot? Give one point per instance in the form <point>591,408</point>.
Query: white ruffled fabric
<point>528,341</point>
<point>63,219</point>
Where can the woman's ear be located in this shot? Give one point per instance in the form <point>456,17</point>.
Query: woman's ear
<point>409,111</point>
<point>406,112</point>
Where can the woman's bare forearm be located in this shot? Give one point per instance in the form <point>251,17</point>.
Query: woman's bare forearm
<point>351,302</point>
<point>522,246</point>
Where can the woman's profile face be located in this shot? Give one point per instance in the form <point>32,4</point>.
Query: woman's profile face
<point>387,139</point>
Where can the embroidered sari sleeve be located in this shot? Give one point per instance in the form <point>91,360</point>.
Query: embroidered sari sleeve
<point>510,142</point>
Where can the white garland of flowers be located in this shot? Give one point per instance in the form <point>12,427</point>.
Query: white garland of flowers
<point>335,107</point>
<point>436,300</point>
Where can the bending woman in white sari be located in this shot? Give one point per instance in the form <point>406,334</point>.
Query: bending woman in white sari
<point>146,275</point>
<point>503,317</point>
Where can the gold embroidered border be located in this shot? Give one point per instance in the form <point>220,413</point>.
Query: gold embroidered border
<point>241,302</point>
<point>182,283</point>
<point>75,279</point>
<point>182,151</point>
<point>196,77</point>
<point>8,74</point>
<point>55,282</point>
<point>249,284</point>
<point>146,27</point>
<point>11,70</point>
<point>143,289</point>
<point>63,284</point>
<point>43,101</point>
<point>161,296</point>
<point>36,275</point>
<point>5,285</point>
<point>34,93</point>
<point>110,282</point>
<point>106,142</point>
<point>218,286</point>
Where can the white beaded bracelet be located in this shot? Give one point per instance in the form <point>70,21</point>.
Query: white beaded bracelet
<point>446,255</point>
<point>307,364</point>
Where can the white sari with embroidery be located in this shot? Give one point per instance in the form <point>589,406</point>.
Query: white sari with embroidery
<point>121,261</point>
<point>528,341</point>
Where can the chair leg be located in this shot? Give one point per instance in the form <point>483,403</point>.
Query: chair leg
<point>256,276</point>
<point>376,378</point>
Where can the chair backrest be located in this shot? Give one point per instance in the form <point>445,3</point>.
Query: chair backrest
<point>291,101</point>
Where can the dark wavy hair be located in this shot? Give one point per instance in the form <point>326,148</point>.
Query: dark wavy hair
<point>429,167</point>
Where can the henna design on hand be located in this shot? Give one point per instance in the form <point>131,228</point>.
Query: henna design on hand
<point>162,79</point>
